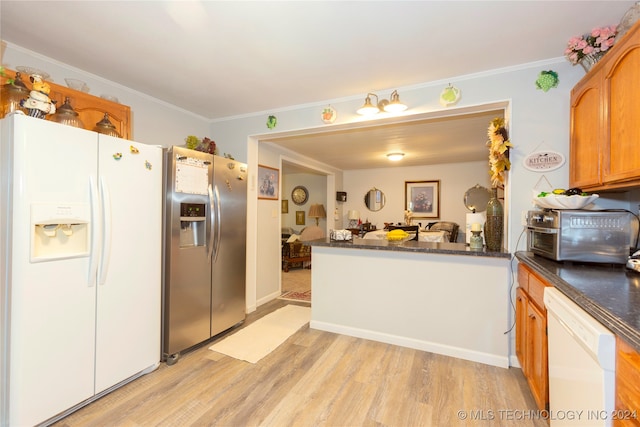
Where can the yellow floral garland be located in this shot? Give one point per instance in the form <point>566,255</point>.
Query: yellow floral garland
<point>499,145</point>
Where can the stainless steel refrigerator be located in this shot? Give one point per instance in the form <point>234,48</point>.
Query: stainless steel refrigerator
<point>204,248</point>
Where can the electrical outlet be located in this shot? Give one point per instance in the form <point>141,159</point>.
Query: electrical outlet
<point>524,217</point>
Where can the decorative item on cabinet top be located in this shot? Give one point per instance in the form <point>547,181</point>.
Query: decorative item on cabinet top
<point>589,48</point>
<point>66,115</point>
<point>630,17</point>
<point>91,109</point>
<point>105,126</point>
<point>13,91</point>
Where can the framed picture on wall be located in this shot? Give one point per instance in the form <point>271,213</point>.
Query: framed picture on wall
<point>299,217</point>
<point>422,198</point>
<point>268,183</point>
<point>284,207</point>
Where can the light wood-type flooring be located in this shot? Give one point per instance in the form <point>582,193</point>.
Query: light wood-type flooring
<point>318,378</point>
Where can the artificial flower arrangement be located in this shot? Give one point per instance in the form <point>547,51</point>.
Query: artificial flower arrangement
<point>499,145</point>
<point>595,43</point>
<point>205,144</point>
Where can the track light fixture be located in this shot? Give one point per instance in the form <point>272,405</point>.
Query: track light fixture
<point>390,106</point>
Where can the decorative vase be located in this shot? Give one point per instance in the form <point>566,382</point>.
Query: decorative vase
<point>630,17</point>
<point>494,224</point>
<point>590,60</point>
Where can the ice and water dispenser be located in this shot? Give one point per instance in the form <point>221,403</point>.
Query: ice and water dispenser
<point>59,231</point>
<point>192,224</point>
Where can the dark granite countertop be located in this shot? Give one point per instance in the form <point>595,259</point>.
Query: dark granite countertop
<point>410,246</point>
<point>609,293</point>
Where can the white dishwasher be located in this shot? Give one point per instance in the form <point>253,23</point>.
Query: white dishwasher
<point>581,365</point>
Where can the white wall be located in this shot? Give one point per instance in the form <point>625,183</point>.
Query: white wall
<point>536,120</point>
<point>153,121</point>
<point>266,214</point>
<point>317,187</point>
<point>455,180</point>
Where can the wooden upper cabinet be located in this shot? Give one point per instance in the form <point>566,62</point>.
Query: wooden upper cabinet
<point>622,96</point>
<point>91,109</point>
<point>605,120</point>
<point>586,132</point>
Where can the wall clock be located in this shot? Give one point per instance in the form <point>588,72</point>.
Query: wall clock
<point>299,195</point>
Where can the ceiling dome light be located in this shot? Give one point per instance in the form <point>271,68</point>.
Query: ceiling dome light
<point>394,157</point>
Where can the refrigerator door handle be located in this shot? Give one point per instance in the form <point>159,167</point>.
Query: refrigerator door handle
<point>106,231</point>
<point>218,223</point>
<point>95,232</point>
<point>211,218</point>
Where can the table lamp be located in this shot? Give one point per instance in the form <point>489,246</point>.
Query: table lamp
<point>353,216</point>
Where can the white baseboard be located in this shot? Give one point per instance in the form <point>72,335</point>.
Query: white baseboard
<point>514,362</point>
<point>458,352</point>
<point>267,298</point>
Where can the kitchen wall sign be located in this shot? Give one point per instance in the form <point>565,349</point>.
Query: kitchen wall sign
<point>543,161</point>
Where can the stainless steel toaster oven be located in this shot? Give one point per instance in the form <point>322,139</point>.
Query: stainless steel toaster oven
<point>580,235</point>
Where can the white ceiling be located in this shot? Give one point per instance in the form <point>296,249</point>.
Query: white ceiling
<point>426,141</point>
<point>221,59</point>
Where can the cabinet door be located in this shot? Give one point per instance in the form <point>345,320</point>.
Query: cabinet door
<point>621,152</point>
<point>90,109</point>
<point>627,385</point>
<point>586,133</point>
<point>536,355</point>
<point>521,328</point>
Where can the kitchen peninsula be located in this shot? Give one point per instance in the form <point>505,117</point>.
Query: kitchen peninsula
<point>439,297</point>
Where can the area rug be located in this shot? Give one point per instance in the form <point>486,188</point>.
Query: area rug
<point>296,296</point>
<point>257,340</point>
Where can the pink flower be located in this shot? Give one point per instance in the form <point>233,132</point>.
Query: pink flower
<point>598,40</point>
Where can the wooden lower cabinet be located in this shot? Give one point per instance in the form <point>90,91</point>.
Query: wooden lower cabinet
<point>522,303</point>
<point>531,334</point>
<point>627,411</point>
<point>536,355</point>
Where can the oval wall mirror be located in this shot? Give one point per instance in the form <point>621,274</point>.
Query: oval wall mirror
<point>476,198</point>
<point>374,199</point>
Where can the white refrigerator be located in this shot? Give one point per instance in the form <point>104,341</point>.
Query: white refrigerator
<point>81,242</point>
